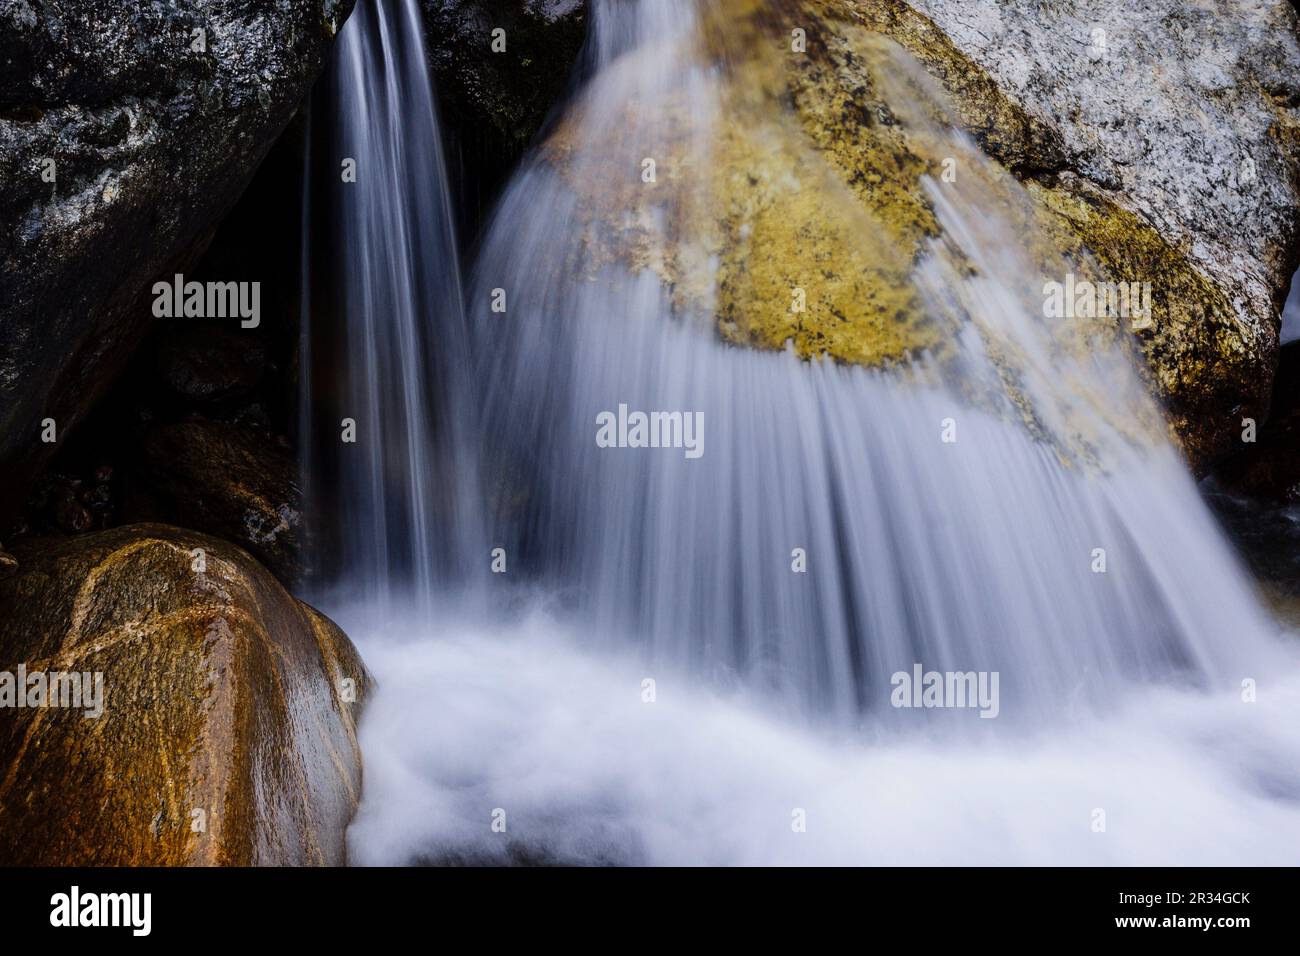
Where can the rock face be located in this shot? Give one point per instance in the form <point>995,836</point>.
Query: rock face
<point>1133,167</point>
<point>1186,117</point>
<point>226,734</point>
<point>206,367</point>
<point>494,103</point>
<point>126,132</point>
<point>1267,469</point>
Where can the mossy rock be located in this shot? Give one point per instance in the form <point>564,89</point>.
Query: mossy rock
<point>801,222</point>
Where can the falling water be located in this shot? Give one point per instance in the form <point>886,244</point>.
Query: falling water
<point>974,554</point>
<point>381,414</point>
<point>659,682</point>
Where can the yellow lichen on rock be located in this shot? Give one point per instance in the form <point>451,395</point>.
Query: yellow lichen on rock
<point>799,211</point>
<point>1199,358</point>
<point>818,210</point>
<point>799,261</point>
<point>753,224</point>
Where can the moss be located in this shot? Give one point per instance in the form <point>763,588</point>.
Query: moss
<point>1200,359</point>
<point>777,232</point>
<point>815,180</point>
<point>799,260</point>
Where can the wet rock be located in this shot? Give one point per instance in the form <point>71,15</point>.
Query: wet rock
<point>1266,464</point>
<point>229,480</point>
<point>126,132</point>
<point>1177,127</point>
<point>817,179</point>
<point>8,564</point>
<point>226,734</point>
<point>493,104</point>
<point>71,500</point>
<point>734,225</point>
<point>68,510</point>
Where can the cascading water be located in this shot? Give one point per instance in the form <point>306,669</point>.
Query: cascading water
<point>380,411</point>
<point>973,554</point>
<point>659,682</point>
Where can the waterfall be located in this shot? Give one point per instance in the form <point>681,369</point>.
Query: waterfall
<point>679,651</point>
<point>975,554</point>
<point>388,338</point>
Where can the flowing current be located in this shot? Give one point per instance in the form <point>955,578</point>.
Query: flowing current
<point>384,326</point>
<point>687,654</point>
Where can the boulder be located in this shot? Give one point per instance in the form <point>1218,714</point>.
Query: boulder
<point>1178,124</point>
<point>126,132</point>
<point>226,724</point>
<point>493,104</point>
<point>816,176</point>
<point>228,480</point>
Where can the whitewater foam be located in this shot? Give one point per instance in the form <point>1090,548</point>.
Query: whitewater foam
<point>522,719</point>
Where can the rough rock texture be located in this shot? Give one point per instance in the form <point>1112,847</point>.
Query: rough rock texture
<point>1184,114</point>
<point>222,694</point>
<point>229,480</point>
<point>816,170</point>
<point>1268,468</point>
<point>493,104</point>
<point>153,135</point>
<point>1188,112</point>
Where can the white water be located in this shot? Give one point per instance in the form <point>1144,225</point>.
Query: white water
<point>393,275</point>
<point>1119,691</point>
<point>559,738</point>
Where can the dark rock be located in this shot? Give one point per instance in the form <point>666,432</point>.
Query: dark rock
<point>228,480</point>
<point>70,500</point>
<point>1268,469</point>
<point>209,365</point>
<point>152,137</point>
<point>494,104</point>
<point>227,731</point>
<point>67,510</point>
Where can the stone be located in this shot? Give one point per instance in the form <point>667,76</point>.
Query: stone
<point>127,131</point>
<point>228,726</point>
<point>229,480</point>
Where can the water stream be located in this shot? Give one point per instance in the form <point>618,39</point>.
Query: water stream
<point>687,655</point>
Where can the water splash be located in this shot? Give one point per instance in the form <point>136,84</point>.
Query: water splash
<point>586,773</point>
